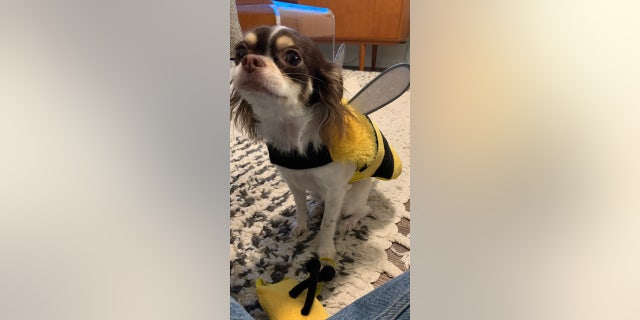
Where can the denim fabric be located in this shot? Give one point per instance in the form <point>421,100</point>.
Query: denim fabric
<point>238,312</point>
<point>388,302</point>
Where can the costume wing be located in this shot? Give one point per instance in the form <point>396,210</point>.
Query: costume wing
<point>383,89</point>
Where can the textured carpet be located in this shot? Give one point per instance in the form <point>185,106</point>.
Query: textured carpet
<point>262,212</point>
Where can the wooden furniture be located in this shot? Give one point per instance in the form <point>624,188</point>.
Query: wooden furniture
<point>315,22</point>
<point>373,22</point>
<point>254,13</point>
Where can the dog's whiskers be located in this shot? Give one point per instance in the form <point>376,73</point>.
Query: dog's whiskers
<point>312,77</point>
<point>313,89</point>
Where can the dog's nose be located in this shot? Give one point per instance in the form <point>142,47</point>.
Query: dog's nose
<point>251,61</point>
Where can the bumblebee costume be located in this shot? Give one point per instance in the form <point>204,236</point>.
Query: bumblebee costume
<point>363,144</point>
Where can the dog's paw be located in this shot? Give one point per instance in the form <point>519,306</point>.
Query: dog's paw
<point>318,209</point>
<point>299,227</point>
<point>327,250</point>
<point>348,224</point>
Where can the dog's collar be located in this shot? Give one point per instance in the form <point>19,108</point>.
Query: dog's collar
<point>313,158</point>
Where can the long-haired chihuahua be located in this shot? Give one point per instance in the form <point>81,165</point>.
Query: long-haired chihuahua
<point>286,94</point>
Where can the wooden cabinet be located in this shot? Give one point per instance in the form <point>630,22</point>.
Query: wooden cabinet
<point>365,22</point>
<point>368,20</point>
<point>314,22</point>
<point>254,13</point>
<point>374,22</point>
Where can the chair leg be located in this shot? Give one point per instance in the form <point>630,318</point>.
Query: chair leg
<point>374,53</point>
<point>363,49</point>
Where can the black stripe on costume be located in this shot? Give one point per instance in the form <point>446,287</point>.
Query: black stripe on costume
<point>375,136</point>
<point>294,160</point>
<point>385,170</point>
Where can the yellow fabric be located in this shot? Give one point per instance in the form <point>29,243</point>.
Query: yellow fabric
<point>358,145</point>
<point>326,261</point>
<point>275,301</point>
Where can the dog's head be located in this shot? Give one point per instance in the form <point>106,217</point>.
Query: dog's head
<point>278,71</point>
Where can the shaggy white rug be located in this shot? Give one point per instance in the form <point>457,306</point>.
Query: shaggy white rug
<point>262,212</point>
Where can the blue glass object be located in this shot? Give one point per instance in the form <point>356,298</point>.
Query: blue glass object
<point>300,7</point>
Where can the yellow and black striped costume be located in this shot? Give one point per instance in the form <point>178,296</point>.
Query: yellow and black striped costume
<point>363,145</point>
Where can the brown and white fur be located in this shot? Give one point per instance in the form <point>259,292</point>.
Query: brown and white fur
<point>286,93</point>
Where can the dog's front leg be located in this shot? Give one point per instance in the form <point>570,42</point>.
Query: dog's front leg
<point>332,206</point>
<point>300,198</point>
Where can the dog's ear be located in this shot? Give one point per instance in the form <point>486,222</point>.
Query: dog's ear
<point>241,115</point>
<point>329,90</point>
<point>328,84</point>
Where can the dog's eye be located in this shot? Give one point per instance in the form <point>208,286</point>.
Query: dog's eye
<point>240,53</point>
<point>292,57</point>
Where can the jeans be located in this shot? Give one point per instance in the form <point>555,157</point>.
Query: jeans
<point>387,302</point>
